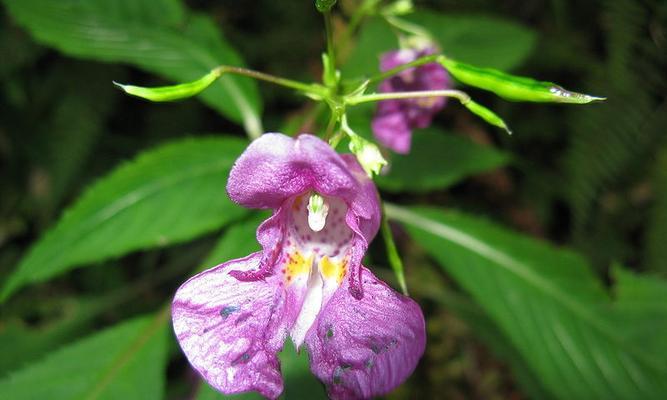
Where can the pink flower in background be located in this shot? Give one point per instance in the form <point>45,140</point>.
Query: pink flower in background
<point>363,338</point>
<point>394,120</point>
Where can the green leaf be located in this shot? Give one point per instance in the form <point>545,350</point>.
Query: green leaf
<point>300,383</point>
<point>512,87</point>
<point>76,124</point>
<point>167,195</point>
<point>127,361</point>
<point>438,160</point>
<point>484,40</point>
<point>60,319</point>
<point>550,306</point>
<point>483,328</point>
<point>158,36</point>
<point>174,92</point>
<point>375,37</point>
<point>238,241</point>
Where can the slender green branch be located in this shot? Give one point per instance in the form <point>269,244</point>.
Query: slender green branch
<point>309,88</point>
<point>392,252</point>
<point>408,27</point>
<point>366,98</point>
<point>391,72</point>
<point>328,135</point>
<point>328,27</point>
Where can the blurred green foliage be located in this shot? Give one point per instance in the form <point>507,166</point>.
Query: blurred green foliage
<point>508,316</point>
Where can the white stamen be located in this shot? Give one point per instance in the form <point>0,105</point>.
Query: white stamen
<point>318,209</point>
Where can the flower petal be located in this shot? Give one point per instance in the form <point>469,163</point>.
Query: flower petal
<point>395,119</point>
<point>392,130</point>
<point>276,167</point>
<point>231,331</point>
<point>365,348</point>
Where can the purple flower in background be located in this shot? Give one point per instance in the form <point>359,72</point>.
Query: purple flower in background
<point>395,119</point>
<point>363,338</point>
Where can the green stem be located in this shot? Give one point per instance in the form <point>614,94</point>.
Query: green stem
<point>391,72</point>
<point>308,88</point>
<point>392,252</point>
<point>328,27</point>
<point>407,27</point>
<point>330,127</point>
<point>457,94</point>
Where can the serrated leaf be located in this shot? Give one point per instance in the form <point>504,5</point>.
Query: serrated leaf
<point>515,88</point>
<point>127,361</point>
<point>489,41</point>
<point>550,306</point>
<point>156,35</point>
<point>166,195</point>
<point>438,160</point>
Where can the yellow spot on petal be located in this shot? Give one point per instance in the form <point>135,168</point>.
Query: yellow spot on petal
<point>332,269</point>
<point>297,265</point>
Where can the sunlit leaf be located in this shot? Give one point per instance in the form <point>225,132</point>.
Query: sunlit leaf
<point>552,308</point>
<point>512,87</point>
<point>127,361</point>
<point>156,35</point>
<point>166,195</point>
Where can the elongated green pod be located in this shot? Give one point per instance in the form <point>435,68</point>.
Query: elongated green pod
<point>515,88</point>
<point>173,92</point>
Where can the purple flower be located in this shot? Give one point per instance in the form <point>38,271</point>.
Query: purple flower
<point>363,338</point>
<point>395,119</point>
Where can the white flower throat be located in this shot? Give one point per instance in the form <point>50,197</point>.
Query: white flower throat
<point>315,254</point>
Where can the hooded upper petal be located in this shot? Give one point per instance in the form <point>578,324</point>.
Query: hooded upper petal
<point>231,331</point>
<point>365,348</point>
<point>275,167</point>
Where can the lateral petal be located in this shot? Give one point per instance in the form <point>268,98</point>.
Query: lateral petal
<point>365,348</point>
<point>231,331</point>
